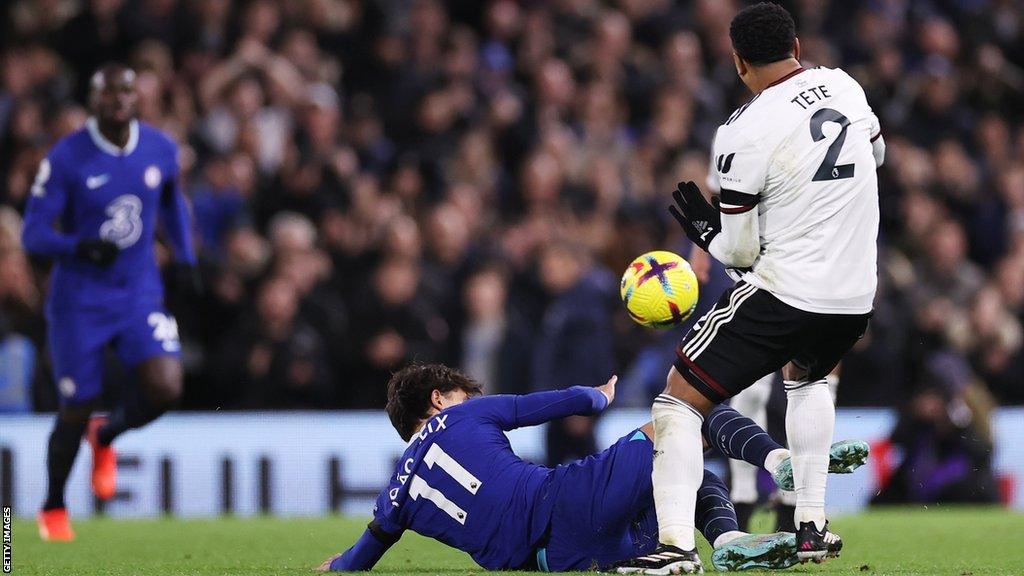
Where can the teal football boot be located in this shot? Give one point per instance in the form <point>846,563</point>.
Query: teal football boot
<point>844,457</point>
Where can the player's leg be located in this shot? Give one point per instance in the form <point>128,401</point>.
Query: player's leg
<point>741,439</point>
<point>733,345</point>
<point>735,549</point>
<point>61,451</point>
<point>715,515</point>
<point>76,348</point>
<point>604,512</point>
<point>734,434</point>
<point>753,403</point>
<point>677,473</point>
<point>604,509</point>
<point>785,505</point>
<point>845,458</point>
<point>810,421</point>
<point>716,519</point>
<point>159,382</point>
<point>832,379</point>
<point>149,346</point>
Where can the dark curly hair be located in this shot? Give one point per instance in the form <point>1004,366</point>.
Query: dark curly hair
<point>409,393</point>
<point>763,33</point>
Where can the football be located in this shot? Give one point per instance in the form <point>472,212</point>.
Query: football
<point>659,289</point>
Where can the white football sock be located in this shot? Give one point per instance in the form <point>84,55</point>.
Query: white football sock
<point>726,537</point>
<point>833,385</point>
<point>774,458</point>
<point>752,403</point>
<point>810,421</point>
<point>678,469</point>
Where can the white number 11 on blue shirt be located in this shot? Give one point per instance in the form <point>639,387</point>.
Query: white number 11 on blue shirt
<point>419,487</point>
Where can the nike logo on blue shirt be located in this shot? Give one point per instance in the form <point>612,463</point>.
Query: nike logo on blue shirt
<point>94,182</point>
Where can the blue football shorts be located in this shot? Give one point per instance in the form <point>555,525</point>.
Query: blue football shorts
<point>79,336</point>
<point>604,510</point>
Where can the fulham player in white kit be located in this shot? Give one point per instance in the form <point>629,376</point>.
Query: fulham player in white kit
<point>798,216</point>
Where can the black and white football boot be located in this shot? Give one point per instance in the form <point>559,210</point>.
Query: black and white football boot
<point>665,560</point>
<point>816,545</point>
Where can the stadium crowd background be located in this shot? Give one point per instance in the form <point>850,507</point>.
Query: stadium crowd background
<point>461,181</point>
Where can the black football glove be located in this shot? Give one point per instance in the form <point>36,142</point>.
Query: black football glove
<point>99,252</point>
<point>700,220</point>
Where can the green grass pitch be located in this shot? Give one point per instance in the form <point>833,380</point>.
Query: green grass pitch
<point>937,540</point>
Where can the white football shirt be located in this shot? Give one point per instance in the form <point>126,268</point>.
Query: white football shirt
<point>803,147</point>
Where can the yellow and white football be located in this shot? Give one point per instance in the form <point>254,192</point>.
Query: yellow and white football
<point>659,289</point>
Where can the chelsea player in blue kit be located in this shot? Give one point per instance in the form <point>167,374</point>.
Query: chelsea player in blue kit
<point>94,209</point>
<point>459,482</point>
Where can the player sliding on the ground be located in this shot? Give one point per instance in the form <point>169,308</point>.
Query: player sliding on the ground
<point>459,482</point>
<point>104,185</point>
<point>799,212</point>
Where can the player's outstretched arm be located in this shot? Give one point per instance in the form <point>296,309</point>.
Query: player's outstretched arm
<point>364,554</point>
<point>510,412</point>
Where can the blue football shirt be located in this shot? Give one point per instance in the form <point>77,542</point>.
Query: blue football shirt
<point>460,482</point>
<point>93,189</point>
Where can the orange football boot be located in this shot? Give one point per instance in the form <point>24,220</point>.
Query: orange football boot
<point>104,461</point>
<point>55,526</point>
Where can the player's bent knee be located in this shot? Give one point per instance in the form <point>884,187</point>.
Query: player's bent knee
<point>678,387</point>
<point>165,391</point>
<point>794,373</point>
<point>162,381</point>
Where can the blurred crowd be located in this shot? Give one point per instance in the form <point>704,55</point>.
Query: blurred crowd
<point>378,182</point>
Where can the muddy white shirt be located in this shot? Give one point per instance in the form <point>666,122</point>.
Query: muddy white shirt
<point>803,152</point>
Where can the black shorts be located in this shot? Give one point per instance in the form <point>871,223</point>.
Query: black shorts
<point>750,333</point>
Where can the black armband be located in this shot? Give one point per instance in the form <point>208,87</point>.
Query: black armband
<point>381,535</point>
<point>738,202</point>
<point>387,539</point>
